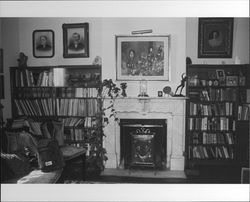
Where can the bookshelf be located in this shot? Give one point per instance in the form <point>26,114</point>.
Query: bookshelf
<point>65,93</point>
<point>217,115</point>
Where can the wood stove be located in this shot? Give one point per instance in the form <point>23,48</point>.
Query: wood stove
<point>143,143</point>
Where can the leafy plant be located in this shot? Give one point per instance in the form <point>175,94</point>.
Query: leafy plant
<point>97,157</point>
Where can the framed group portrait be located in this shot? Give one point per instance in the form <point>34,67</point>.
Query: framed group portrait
<point>142,57</point>
<point>215,37</point>
<point>76,40</point>
<point>43,43</point>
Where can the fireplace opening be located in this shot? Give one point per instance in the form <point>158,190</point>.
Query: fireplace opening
<point>143,143</point>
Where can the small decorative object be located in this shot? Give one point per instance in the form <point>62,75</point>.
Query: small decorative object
<point>242,79</point>
<point>182,85</point>
<point>43,43</point>
<point>143,88</point>
<point>142,57</point>
<point>188,61</point>
<point>123,87</point>
<point>160,94</point>
<point>168,91</point>
<point>220,75</point>
<point>76,40</point>
<point>97,61</point>
<point>232,80</point>
<point>216,82</point>
<point>215,37</point>
<point>22,60</point>
<point>210,83</point>
<point>1,60</point>
<point>146,31</point>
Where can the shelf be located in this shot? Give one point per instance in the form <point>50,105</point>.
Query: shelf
<point>211,131</point>
<point>216,87</point>
<point>210,116</point>
<point>212,145</point>
<point>213,162</point>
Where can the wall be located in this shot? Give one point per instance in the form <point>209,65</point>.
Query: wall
<point>10,39</point>
<point>240,42</point>
<point>102,42</point>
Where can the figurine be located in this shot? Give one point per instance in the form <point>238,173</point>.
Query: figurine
<point>123,87</point>
<point>22,60</point>
<point>182,85</point>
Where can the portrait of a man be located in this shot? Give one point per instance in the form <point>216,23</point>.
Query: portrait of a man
<point>75,40</point>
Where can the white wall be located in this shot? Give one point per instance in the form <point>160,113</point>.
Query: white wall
<point>17,37</point>
<point>240,42</point>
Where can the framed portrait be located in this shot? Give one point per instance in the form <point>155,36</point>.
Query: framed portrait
<point>215,37</point>
<point>1,87</point>
<point>1,60</point>
<point>76,40</point>
<point>43,43</point>
<point>142,57</point>
<point>220,74</point>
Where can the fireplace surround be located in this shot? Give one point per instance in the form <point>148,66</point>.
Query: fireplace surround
<point>171,110</point>
<point>143,143</point>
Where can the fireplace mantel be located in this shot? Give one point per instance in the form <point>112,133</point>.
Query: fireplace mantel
<point>172,109</point>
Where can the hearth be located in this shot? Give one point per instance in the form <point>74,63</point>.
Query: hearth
<point>143,143</point>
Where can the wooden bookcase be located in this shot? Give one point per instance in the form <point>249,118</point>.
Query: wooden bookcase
<point>217,115</point>
<point>66,93</point>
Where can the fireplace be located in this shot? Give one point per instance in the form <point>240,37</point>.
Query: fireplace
<point>143,143</point>
<point>169,112</point>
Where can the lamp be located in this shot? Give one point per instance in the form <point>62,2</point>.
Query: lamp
<point>143,88</point>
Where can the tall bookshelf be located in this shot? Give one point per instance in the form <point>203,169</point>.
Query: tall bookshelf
<point>217,115</point>
<point>65,93</point>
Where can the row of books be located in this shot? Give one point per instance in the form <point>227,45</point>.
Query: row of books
<point>87,146</point>
<point>217,152</point>
<point>212,138</point>
<point>25,77</point>
<point>45,92</point>
<point>57,107</point>
<point>220,109</point>
<point>87,122</point>
<point>211,123</point>
<point>220,94</point>
<point>77,92</point>
<point>244,112</point>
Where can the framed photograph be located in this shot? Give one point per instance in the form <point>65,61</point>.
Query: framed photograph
<point>76,40</point>
<point>220,74</point>
<point>1,60</point>
<point>232,81</point>
<point>1,87</point>
<point>142,57</point>
<point>215,37</point>
<point>43,43</point>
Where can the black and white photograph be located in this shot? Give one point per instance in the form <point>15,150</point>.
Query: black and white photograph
<point>76,40</point>
<point>43,43</point>
<point>142,57</point>
<point>215,37</point>
<point>124,101</point>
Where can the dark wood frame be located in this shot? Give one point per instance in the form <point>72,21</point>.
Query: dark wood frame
<point>76,54</point>
<point>215,48</point>
<point>38,33</point>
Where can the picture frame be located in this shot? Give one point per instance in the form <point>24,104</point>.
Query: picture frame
<point>231,80</point>
<point>43,43</point>
<point>1,60</point>
<point>215,37</point>
<point>220,74</point>
<point>76,40</point>
<point>143,57</point>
